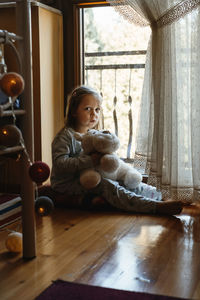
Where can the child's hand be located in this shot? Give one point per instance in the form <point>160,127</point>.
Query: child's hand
<point>96,157</point>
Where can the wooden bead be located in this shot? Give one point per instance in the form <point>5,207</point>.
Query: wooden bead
<point>39,172</point>
<point>44,205</point>
<point>12,84</point>
<point>10,135</point>
<point>14,242</point>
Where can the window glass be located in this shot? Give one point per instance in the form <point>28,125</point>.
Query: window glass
<point>113,68</point>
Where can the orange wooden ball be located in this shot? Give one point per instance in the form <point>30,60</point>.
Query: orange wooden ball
<point>10,135</point>
<point>14,242</point>
<point>12,84</point>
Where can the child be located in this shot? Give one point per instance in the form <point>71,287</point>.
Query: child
<point>83,113</point>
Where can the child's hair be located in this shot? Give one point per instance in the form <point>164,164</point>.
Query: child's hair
<point>73,101</point>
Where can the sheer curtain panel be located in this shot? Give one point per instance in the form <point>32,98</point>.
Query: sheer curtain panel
<point>168,135</point>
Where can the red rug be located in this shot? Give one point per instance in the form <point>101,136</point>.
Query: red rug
<point>63,290</point>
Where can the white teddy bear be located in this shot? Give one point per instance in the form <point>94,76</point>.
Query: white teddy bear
<point>111,166</point>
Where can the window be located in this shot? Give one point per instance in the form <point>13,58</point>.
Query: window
<point>113,61</point>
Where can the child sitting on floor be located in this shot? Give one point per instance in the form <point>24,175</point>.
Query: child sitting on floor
<point>83,113</point>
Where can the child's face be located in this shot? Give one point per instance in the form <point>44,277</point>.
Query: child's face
<point>87,114</point>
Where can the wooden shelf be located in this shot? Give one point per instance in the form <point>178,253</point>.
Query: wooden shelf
<point>39,67</point>
<point>9,150</point>
<point>7,113</point>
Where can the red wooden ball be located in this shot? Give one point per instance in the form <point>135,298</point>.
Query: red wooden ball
<point>12,84</point>
<point>10,135</point>
<point>39,172</point>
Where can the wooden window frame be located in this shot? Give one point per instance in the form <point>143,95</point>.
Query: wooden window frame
<point>78,18</point>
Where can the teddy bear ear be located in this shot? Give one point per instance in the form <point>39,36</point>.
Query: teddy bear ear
<point>78,136</point>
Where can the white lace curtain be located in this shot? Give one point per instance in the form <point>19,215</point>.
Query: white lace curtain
<point>168,135</point>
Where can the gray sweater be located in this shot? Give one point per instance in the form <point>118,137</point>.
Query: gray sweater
<point>67,162</point>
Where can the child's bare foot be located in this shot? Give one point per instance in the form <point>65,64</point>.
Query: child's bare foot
<point>192,210</point>
<point>170,207</point>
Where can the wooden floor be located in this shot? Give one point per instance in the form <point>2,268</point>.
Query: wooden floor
<point>154,254</point>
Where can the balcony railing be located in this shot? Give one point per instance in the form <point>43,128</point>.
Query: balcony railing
<point>115,66</point>
<point>101,67</point>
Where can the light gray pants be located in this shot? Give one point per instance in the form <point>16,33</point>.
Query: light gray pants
<point>142,199</point>
<point>133,201</point>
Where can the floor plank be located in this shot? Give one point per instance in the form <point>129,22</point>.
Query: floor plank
<point>155,254</point>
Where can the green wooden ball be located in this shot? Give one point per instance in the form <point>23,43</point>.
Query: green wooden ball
<point>44,206</point>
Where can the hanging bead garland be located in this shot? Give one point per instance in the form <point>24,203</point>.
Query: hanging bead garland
<point>12,84</point>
